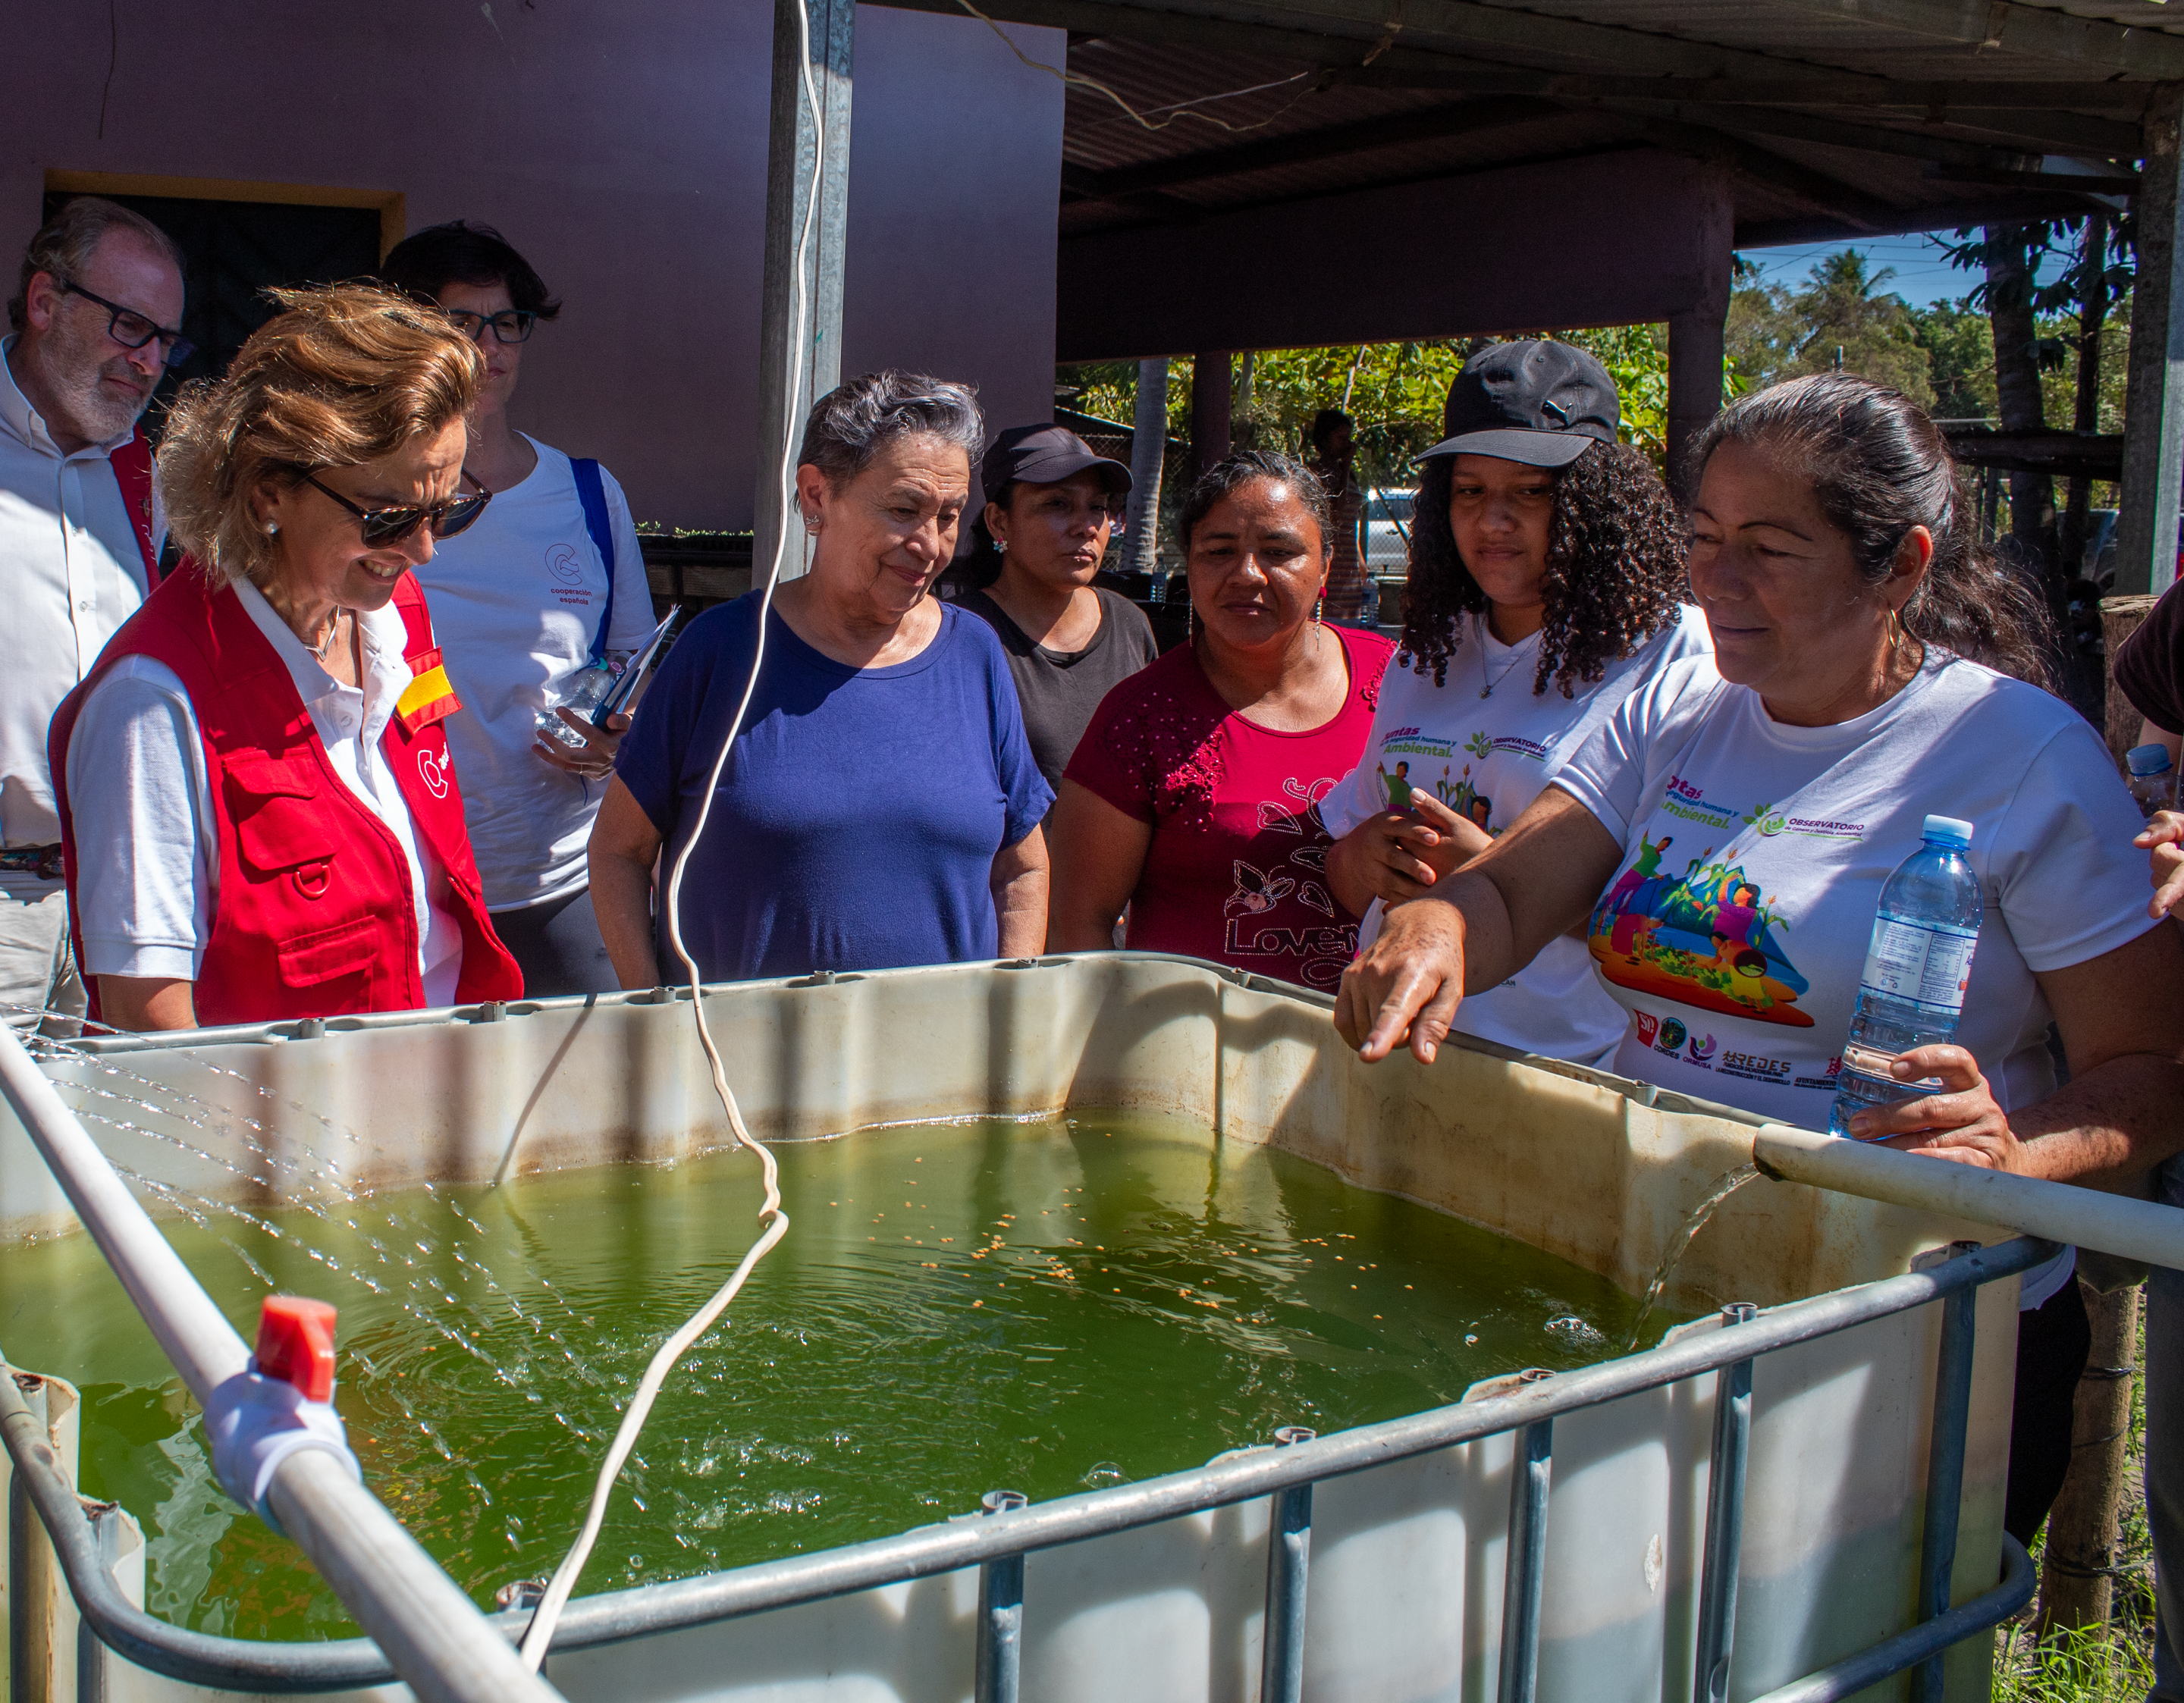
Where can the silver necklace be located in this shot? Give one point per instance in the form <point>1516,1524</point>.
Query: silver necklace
<point>1485,686</point>
<point>326,644</point>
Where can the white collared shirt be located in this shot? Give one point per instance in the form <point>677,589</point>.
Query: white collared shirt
<point>70,573</point>
<point>147,864</point>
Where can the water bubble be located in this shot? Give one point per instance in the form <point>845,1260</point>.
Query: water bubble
<point>1575,1329</point>
<point>1107,1472</point>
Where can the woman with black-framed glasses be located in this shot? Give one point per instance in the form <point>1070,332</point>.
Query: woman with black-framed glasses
<point>548,586</point>
<point>259,812</point>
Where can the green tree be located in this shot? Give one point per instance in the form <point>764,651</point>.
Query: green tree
<point>1959,344</point>
<point>1838,321</point>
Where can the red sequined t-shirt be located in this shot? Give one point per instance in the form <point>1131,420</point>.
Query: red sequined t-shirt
<point>1237,870</point>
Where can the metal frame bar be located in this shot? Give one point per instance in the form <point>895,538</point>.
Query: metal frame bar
<point>1523,1572</point>
<point>1725,1527</point>
<point>1288,1558</point>
<point>1945,1471</point>
<point>1009,1533</point>
<point>999,1674</point>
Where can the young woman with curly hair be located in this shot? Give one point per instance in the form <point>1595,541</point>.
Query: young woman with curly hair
<point>1547,584</point>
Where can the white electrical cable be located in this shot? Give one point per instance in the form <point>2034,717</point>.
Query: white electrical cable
<point>540,1633</point>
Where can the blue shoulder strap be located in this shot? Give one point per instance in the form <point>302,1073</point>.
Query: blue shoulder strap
<point>593,494</point>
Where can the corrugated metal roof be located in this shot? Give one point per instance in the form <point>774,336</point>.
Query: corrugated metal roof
<point>1245,101</point>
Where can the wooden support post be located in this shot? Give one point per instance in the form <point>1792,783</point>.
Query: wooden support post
<point>794,370</point>
<point>1697,352</point>
<point>1209,409</point>
<point>2154,403</point>
<point>2120,618</point>
<point>2075,1583</point>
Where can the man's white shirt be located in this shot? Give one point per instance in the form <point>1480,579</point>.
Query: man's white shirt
<point>71,572</point>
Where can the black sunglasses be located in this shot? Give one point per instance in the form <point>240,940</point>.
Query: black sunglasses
<point>510,325</point>
<point>391,526</point>
<point>132,331</point>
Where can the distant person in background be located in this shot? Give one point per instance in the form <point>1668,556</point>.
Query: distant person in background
<point>1052,506</point>
<point>259,816</point>
<point>1334,460</point>
<point>1193,798</point>
<point>880,807</point>
<point>1546,585</point>
<point>95,320</point>
<point>549,582</point>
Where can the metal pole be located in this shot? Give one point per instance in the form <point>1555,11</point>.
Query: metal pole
<point>432,1633</point>
<point>1523,1575</point>
<point>1725,1527</point>
<point>105,1521</point>
<point>2153,397</point>
<point>1289,1556</point>
<point>796,372</point>
<point>1001,1613</point>
<point>1945,1470</point>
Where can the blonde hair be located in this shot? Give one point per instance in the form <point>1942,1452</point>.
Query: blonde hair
<point>344,375</point>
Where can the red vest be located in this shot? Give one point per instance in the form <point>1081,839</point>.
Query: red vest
<point>313,915</point>
<point>132,472</point>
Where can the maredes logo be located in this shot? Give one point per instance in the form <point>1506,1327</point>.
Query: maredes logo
<point>1700,1052</point>
<point>1672,1035</point>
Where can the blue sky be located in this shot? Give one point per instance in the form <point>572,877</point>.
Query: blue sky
<point>1923,273</point>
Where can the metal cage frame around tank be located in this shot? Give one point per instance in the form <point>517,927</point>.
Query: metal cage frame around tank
<point>84,1534</point>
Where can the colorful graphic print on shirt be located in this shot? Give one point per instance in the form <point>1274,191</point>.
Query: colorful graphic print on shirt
<point>1451,786</point>
<point>1711,937</point>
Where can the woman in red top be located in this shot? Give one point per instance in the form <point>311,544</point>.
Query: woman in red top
<point>1193,798</point>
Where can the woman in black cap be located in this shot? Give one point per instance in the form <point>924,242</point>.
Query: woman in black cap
<point>1051,505</point>
<point>1545,585</point>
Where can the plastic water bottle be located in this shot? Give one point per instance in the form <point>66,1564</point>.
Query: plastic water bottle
<point>2153,778</point>
<point>587,689</point>
<point>1912,994</point>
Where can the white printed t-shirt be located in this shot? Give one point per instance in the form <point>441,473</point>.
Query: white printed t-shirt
<point>516,601</point>
<point>1488,759</point>
<point>1737,928</point>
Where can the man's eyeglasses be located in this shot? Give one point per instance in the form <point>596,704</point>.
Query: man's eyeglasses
<point>132,331</point>
<point>510,325</point>
<point>391,526</point>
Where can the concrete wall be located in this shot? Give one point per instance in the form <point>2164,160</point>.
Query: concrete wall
<point>621,145</point>
<point>1621,239</point>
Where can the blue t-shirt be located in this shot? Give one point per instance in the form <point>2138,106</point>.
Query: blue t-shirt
<point>860,813</point>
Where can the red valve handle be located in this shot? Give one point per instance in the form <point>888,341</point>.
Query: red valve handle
<point>296,1343</point>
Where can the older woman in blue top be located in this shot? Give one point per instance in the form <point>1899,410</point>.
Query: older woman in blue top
<point>881,806</point>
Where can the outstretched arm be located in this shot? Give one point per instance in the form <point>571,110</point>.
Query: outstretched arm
<point>1474,929</point>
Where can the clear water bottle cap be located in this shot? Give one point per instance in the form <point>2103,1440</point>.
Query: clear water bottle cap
<point>2146,760</point>
<point>1947,830</point>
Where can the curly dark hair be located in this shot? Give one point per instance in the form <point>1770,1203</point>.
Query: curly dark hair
<point>1615,569</point>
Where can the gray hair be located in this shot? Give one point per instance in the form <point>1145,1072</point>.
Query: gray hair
<point>853,422</point>
<point>66,241</point>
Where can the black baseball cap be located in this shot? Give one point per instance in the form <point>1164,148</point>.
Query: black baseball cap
<point>1539,402</point>
<point>1045,455</point>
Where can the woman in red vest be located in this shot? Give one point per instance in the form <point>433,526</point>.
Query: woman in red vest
<point>258,818</point>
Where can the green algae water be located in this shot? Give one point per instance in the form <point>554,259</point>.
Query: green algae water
<point>959,1307</point>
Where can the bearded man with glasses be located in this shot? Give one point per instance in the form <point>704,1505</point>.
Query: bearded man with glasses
<point>94,322</point>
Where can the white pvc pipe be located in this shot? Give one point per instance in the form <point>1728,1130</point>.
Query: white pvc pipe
<point>433,1634</point>
<point>2057,1211</point>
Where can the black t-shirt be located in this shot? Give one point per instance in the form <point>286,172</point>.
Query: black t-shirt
<point>1060,689</point>
<point>2150,666</point>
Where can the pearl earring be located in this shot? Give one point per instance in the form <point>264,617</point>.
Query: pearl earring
<point>272,529</point>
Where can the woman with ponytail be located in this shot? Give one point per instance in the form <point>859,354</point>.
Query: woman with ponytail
<point>1873,665</point>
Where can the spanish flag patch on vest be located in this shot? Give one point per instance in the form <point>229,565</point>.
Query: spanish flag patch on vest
<point>428,698</point>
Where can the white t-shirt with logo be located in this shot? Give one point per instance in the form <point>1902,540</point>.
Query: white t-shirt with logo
<point>1488,758</point>
<point>1736,928</point>
<point>516,601</point>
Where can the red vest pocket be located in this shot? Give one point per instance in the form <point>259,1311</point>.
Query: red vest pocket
<point>279,821</point>
<point>307,960</point>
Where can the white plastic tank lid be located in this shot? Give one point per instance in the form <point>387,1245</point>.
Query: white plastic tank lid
<point>1949,831</point>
